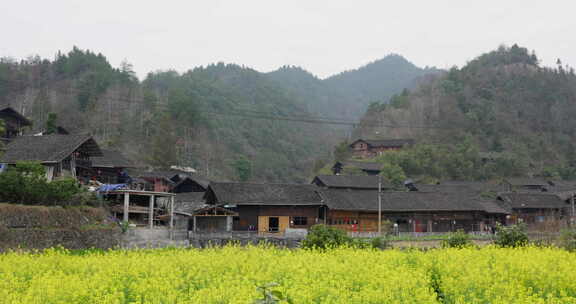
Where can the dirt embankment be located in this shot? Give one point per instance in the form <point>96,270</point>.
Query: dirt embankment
<point>39,227</point>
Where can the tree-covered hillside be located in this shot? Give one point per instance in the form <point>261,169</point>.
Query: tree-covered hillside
<point>504,102</point>
<point>215,118</point>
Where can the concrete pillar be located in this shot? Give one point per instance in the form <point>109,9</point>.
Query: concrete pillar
<point>126,206</point>
<point>229,223</point>
<point>171,217</point>
<point>430,222</point>
<point>194,223</point>
<point>151,213</point>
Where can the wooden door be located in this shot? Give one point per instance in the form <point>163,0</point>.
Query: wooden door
<point>263,224</point>
<point>284,223</point>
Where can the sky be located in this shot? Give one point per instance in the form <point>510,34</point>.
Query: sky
<point>324,37</point>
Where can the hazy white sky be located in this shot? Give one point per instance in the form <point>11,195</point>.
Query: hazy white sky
<point>323,36</point>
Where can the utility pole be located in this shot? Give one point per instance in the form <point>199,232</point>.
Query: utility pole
<point>572,218</point>
<point>379,204</point>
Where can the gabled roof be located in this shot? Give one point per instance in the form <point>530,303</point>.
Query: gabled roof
<point>8,111</point>
<point>531,200</point>
<point>262,194</point>
<point>564,189</point>
<point>193,180</point>
<point>385,142</point>
<point>189,202</point>
<point>521,181</point>
<point>48,148</point>
<point>174,175</point>
<point>111,159</point>
<point>492,207</point>
<point>396,201</point>
<point>350,181</point>
<point>367,166</point>
<point>462,186</point>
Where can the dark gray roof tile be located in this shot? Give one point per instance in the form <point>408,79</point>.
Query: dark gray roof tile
<point>531,200</point>
<point>111,159</point>
<point>264,194</point>
<point>48,148</point>
<point>350,181</point>
<point>349,199</point>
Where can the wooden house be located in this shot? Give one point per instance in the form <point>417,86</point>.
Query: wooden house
<point>566,191</point>
<point>108,166</point>
<point>156,181</point>
<point>62,155</point>
<point>526,184</point>
<point>174,181</point>
<point>533,208</point>
<point>368,148</point>
<point>357,210</point>
<point>13,123</point>
<point>268,208</point>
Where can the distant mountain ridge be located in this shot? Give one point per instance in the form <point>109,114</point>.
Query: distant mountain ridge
<point>348,94</point>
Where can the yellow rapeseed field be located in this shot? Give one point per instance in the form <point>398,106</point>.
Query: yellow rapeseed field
<point>231,275</point>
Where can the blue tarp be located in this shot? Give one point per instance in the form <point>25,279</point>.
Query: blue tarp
<point>111,187</point>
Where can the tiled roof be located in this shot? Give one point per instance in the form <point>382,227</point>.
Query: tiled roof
<point>8,111</point>
<point>263,194</point>
<point>462,186</point>
<point>386,142</point>
<point>532,200</point>
<point>347,199</point>
<point>369,166</point>
<point>111,159</point>
<point>350,181</point>
<point>521,181</point>
<point>48,148</point>
<point>189,202</point>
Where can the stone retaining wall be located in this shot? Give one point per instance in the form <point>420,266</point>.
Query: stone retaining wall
<point>154,238</point>
<point>40,227</point>
<point>31,239</point>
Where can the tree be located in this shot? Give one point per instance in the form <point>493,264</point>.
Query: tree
<point>51,126</point>
<point>127,74</point>
<point>394,174</point>
<point>163,143</point>
<point>342,151</point>
<point>243,167</point>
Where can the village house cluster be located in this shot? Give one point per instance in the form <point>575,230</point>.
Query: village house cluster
<point>187,203</point>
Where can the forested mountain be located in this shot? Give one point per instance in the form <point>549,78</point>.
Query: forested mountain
<point>348,94</point>
<point>213,118</point>
<point>502,102</point>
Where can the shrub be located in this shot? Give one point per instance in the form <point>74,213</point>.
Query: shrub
<point>26,183</point>
<point>511,236</point>
<point>379,243</point>
<point>567,239</point>
<point>458,239</point>
<point>322,237</point>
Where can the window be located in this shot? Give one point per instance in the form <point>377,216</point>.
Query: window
<point>300,221</point>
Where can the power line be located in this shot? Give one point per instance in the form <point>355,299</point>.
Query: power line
<point>247,113</point>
